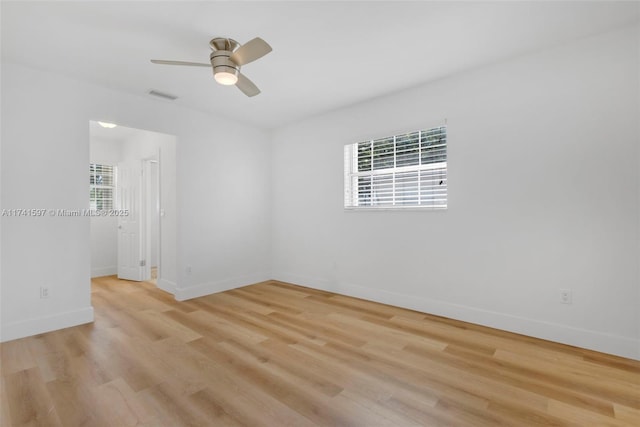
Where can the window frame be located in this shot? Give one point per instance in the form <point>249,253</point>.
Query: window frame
<point>352,186</point>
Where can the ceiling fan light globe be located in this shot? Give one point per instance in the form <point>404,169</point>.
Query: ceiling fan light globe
<point>225,78</point>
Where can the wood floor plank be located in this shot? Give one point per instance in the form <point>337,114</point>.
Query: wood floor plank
<point>532,383</point>
<point>238,303</point>
<point>28,401</point>
<point>277,354</point>
<point>290,330</point>
<point>627,415</point>
<point>170,326</point>
<point>449,380</point>
<point>624,392</point>
<point>75,403</point>
<point>171,409</point>
<point>133,359</point>
<point>389,372</point>
<point>327,333</point>
<point>256,406</point>
<point>573,414</point>
<point>15,356</point>
<point>240,317</point>
<point>367,387</point>
<point>124,408</point>
<point>217,411</point>
<point>287,371</point>
<point>378,335</point>
<point>308,400</point>
<point>201,325</point>
<point>246,294</point>
<point>229,328</point>
<point>4,404</point>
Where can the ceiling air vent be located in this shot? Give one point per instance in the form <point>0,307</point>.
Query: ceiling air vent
<point>163,95</point>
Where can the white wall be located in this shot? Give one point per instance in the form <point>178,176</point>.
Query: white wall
<point>543,194</point>
<point>226,216</point>
<point>104,229</point>
<point>222,183</point>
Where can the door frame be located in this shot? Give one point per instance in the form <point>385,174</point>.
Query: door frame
<point>148,212</point>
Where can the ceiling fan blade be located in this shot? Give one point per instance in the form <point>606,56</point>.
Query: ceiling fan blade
<point>191,64</point>
<point>250,51</point>
<point>247,86</point>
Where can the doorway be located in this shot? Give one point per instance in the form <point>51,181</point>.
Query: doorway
<point>134,236</point>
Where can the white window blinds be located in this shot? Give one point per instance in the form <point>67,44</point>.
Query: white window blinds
<point>101,186</point>
<point>408,170</point>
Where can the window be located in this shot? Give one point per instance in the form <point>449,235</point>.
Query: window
<point>101,186</point>
<point>399,171</point>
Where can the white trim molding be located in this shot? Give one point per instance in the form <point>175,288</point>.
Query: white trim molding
<point>209,288</point>
<point>26,328</point>
<point>166,286</point>
<point>104,271</point>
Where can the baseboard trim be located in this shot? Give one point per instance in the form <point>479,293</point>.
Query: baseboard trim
<point>166,286</point>
<point>592,340</point>
<point>26,328</point>
<point>104,271</point>
<point>209,288</point>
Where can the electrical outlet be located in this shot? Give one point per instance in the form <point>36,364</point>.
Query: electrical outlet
<point>565,296</point>
<point>44,292</point>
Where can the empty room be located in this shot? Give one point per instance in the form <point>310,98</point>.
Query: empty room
<point>329,213</point>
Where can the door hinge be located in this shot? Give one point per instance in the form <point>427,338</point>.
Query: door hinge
<point>143,263</point>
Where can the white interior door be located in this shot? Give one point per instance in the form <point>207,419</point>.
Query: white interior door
<point>130,248</point>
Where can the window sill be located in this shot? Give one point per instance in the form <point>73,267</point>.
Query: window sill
<point>394,209</point>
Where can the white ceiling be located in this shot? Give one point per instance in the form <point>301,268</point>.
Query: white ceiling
<point>325,54</point>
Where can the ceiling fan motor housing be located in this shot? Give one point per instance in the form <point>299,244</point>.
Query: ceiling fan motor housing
<point>222,48</point>
<point>222,63</point>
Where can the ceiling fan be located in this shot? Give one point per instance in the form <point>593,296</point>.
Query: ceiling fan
<point>226,58</point>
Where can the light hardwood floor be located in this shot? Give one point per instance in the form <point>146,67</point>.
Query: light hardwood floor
<point>274,354</point>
